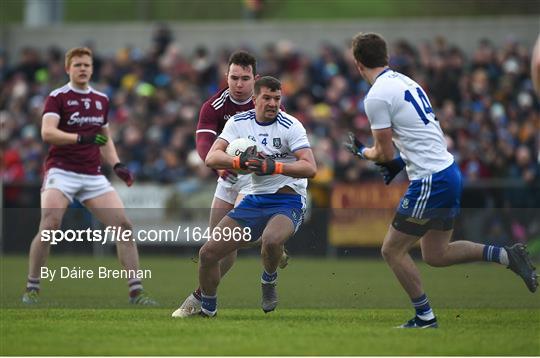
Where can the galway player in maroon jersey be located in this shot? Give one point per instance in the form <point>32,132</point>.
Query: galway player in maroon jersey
<point>231,187</point>
<point>75,124</point>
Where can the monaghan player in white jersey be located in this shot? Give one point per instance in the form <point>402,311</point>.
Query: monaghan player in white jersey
<point>274,207</point>
<point>237,97</point>
<point>399,112</point>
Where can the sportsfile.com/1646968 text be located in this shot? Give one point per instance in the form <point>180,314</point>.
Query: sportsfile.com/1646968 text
<point>114,234</point>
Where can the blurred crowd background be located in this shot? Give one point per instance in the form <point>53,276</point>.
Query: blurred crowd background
<point>483,100</point>
<point>150,64</point>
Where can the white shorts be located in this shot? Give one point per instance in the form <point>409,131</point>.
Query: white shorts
<point>228,192</point>
<point>76,186</point>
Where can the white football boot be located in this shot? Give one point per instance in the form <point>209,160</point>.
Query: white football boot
<point>190,307</point>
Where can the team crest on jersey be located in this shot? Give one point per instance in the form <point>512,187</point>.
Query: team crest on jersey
<point>252,138</point>
<point>98,105</point>
<point>277,143</point>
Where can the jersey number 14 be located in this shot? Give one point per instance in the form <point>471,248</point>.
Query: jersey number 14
<point>425,103</point>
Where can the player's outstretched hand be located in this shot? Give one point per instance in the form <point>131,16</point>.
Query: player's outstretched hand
<point>240,162</point>
<point>390,169</point>
<point>354,146</point>
<point>229,176</point>
<point>124,173</point>
<point>98,139</point>
<point>265,166</point>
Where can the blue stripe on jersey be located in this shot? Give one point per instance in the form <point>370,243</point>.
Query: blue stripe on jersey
<point>302,147</point>
<point>383,72</point>
<point>284,124</point>
<point>241,118</point>
<point>250,113</point>
<point>286,120</point>
<point>244,116</point>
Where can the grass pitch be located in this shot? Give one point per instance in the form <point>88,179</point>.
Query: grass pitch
<point>327,307</point>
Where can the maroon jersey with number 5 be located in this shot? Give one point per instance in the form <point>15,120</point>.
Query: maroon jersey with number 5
<point>81,112</point>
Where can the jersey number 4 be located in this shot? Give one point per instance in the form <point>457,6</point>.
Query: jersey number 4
<point>425,103</point>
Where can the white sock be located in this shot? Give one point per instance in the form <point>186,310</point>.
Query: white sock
<point>426,316</point>
<point>503,257</point>
<point>209,313</point>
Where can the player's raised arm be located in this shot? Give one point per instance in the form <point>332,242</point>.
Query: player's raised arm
<point>378,113</point>
<point>379,153</point>
<point>382,152</point>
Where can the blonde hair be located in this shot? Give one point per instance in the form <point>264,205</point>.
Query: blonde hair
<point>76,52</point>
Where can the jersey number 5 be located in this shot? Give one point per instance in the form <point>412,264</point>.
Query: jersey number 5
<point>425,103</point>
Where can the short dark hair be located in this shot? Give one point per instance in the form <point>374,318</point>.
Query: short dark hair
<point>244,59</point>
<point>267,81</point>
<point>370,50</point>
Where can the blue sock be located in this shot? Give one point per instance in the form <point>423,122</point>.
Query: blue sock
<point>423,310</point>
<point>492,253</point>
<point>209,304</point>
<point>268,277</point>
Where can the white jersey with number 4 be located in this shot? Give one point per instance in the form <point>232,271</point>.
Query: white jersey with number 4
<point>278,139</point>
<point>395,101</point>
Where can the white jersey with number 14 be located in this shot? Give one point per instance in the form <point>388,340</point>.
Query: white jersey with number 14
<point>396,101</point>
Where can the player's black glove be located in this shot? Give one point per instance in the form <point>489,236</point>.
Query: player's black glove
<point>391,168</point>
<point>98,139</point>
<point>354,146</point>
<point>240,162</point>
<point>265,166</point>
<point>123,173</point>
<point>229,176</point>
